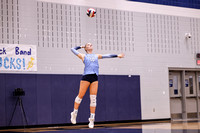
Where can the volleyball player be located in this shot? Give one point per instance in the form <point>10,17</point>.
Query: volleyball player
<point>89,79</point>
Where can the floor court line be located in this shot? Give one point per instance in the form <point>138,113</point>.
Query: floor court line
<point>130,127</point>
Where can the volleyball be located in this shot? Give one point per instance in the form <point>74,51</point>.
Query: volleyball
<point>91,12</point>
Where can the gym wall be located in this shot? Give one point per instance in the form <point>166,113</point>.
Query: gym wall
<point>151,36</point>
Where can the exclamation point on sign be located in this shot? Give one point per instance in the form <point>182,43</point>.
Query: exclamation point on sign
<point>24,63</point>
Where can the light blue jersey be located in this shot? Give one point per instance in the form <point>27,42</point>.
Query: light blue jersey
<point>91,64</point>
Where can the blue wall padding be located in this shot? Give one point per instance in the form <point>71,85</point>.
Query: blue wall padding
<point>2,100</point>
<point>111,98</point>
<point>101,100</point>
<point>180,3</point>
<point>28,82</point>
<point>12,81</point>
<point>50,98</point>
<point>43,85</point>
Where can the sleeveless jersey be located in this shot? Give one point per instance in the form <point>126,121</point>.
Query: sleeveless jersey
<point>91,64</point>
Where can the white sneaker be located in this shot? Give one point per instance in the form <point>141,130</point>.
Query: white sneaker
<point>91,124</point>
<point>73,118</point>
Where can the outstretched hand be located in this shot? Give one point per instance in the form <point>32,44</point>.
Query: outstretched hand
<point>82,46</point>
<point>121,55</point>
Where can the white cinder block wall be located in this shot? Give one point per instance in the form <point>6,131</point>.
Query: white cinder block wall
<point>151,36</point>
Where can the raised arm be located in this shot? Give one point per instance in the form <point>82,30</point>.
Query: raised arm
<point>100,56</point>
<point>75,51</point>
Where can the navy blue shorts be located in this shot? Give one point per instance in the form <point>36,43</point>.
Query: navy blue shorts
<point>90,78</point>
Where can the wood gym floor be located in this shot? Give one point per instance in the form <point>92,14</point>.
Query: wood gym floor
<point>130,127</point>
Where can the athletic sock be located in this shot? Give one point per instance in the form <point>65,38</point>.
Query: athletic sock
<point>92,115</point>
<point>75,111</point>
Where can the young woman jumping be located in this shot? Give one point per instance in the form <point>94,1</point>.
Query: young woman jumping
<point>89,79</point>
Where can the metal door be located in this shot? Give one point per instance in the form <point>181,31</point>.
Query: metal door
<point>175,95</point>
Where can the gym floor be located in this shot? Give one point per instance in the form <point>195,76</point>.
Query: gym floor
<point>130,127</point>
